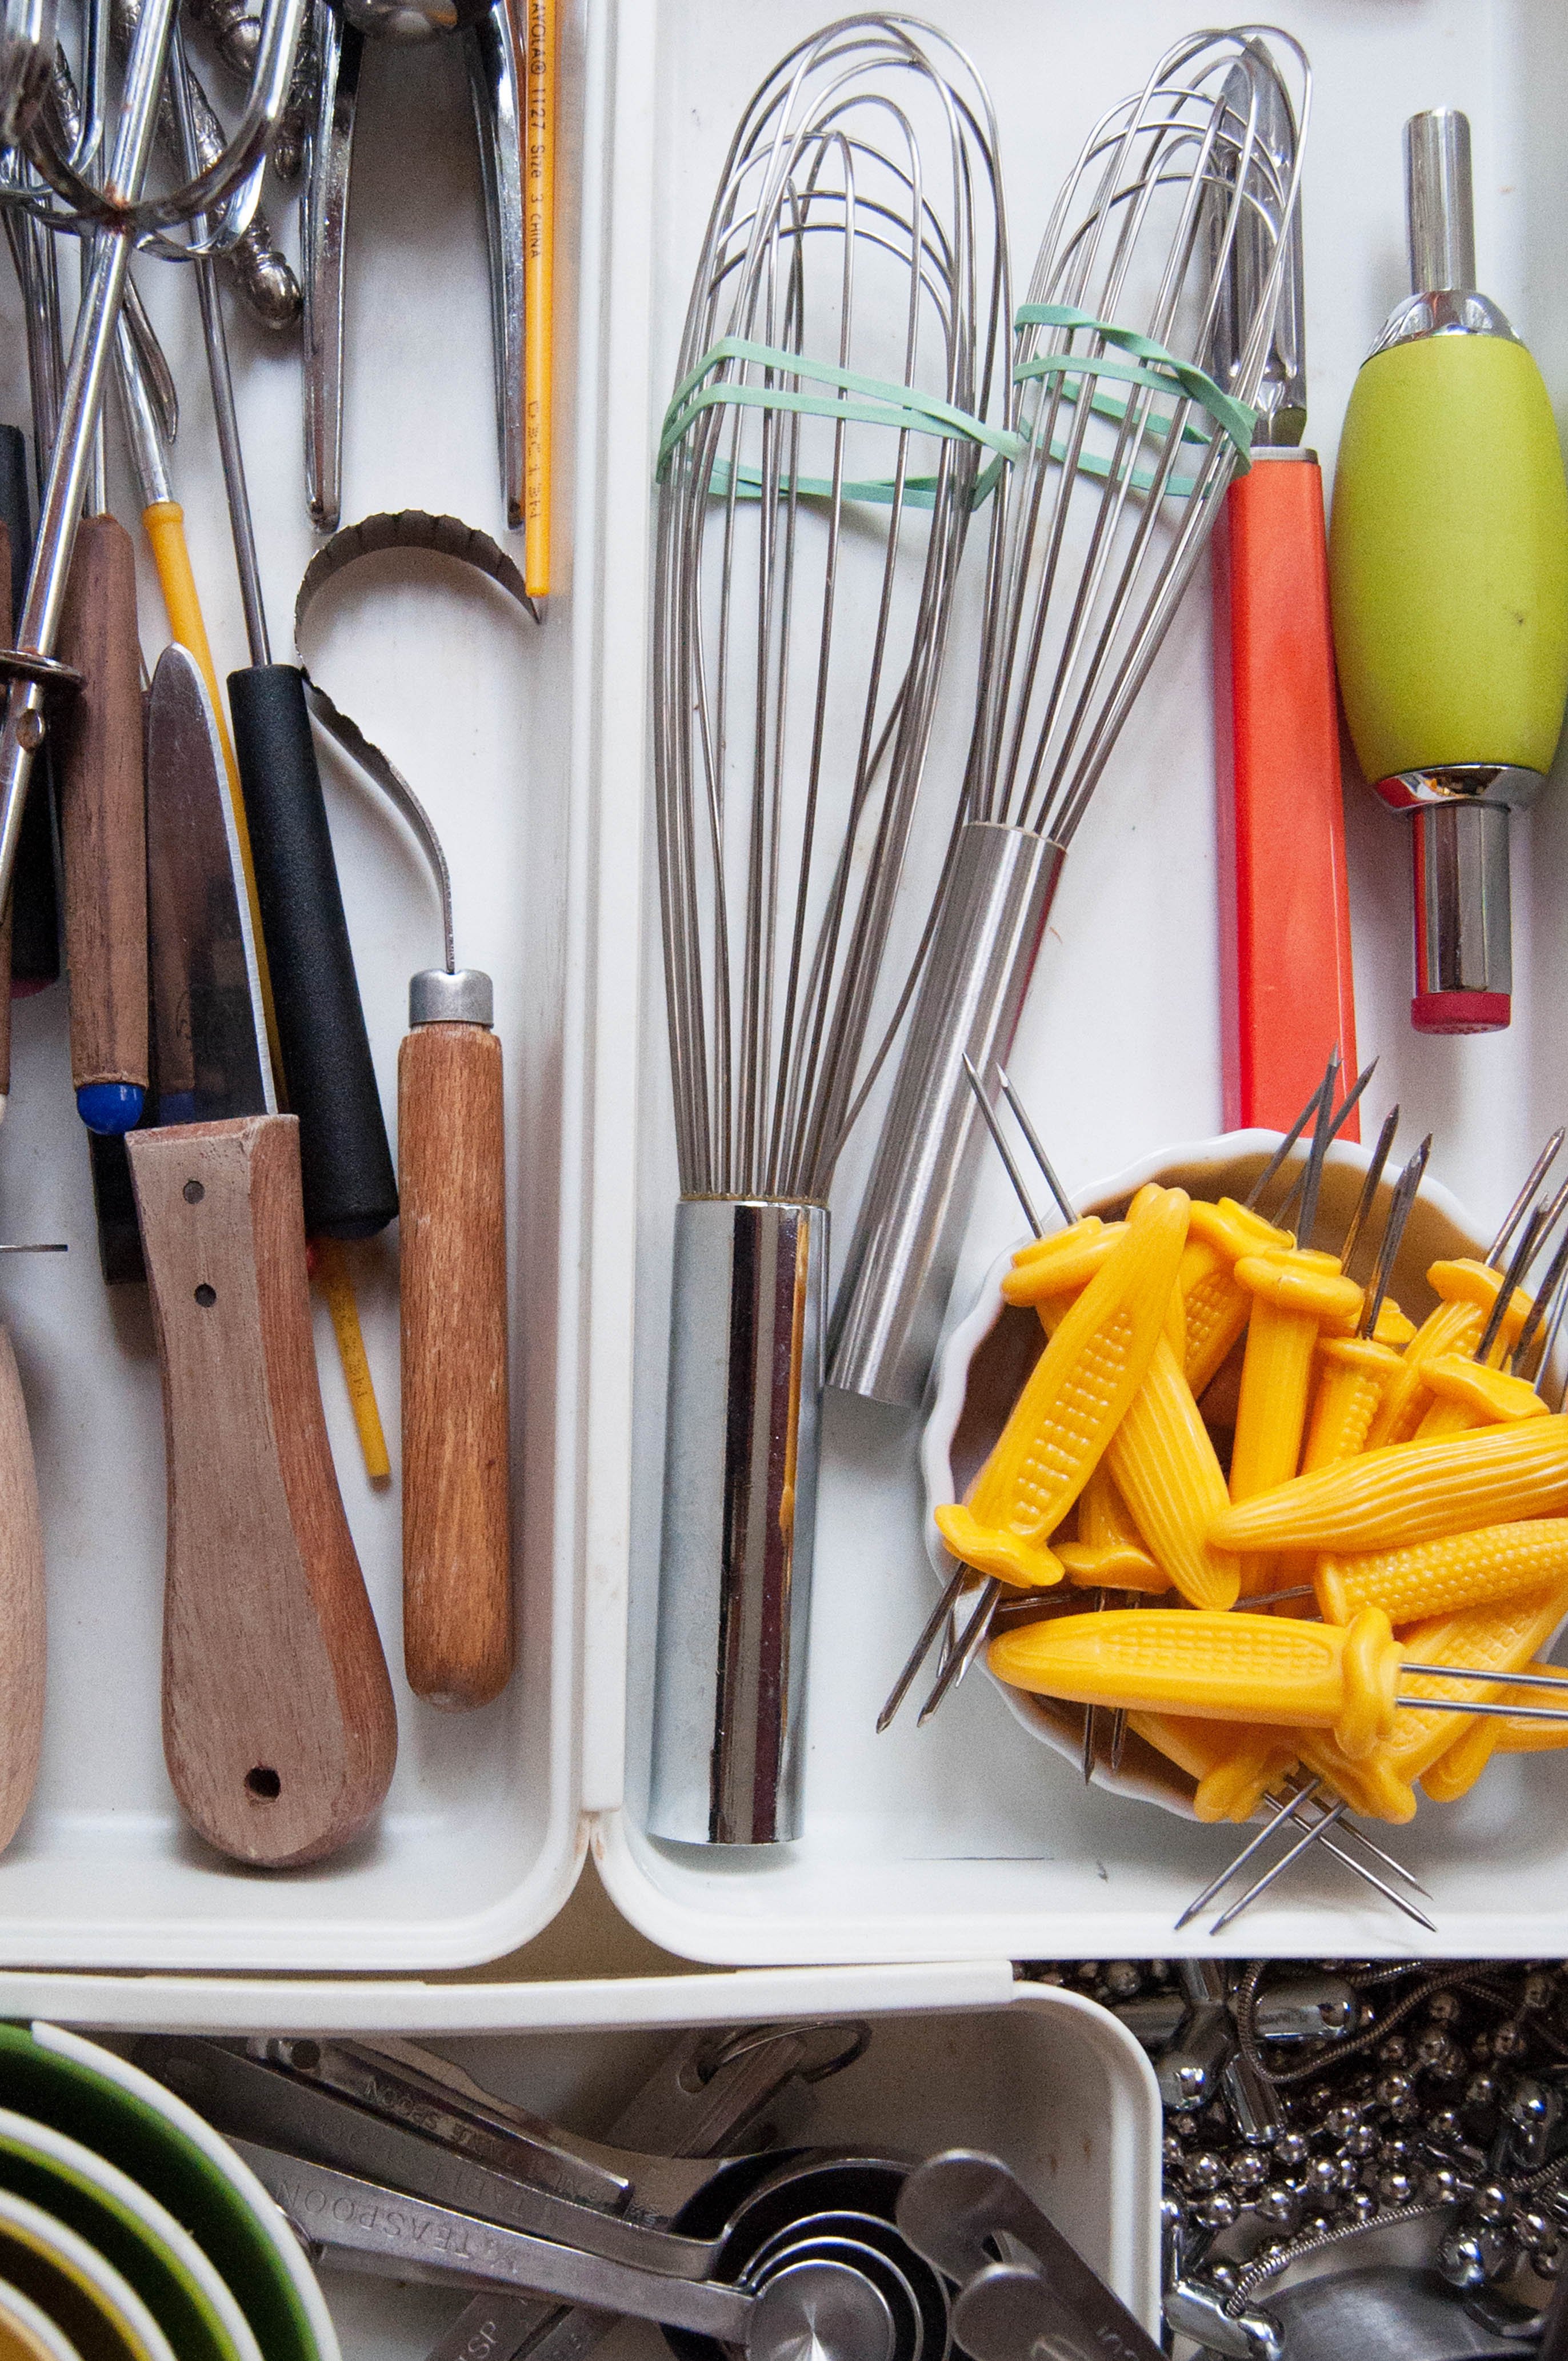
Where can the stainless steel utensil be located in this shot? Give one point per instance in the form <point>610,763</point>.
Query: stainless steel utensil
<point>1095,534</point>
<point>836,378</point>
<point>816,2267</point>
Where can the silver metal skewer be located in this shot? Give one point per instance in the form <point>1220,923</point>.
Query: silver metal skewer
<point>923,1646</point>
<point>1277,1869</point>
<point>975,1633</point>
<point>1405,1191</point>
<point>1532,1181</point>
<point>1036,1147</point>
<point>1002,1150</point>
<point>1369,1188</point>
<point>1292,1811</point>
<point>1524,1254</point>
<point>1346,1107</point>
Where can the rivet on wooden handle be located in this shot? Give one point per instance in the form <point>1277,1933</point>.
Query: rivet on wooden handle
<point>21,1604</point>
<point>279,1727</point>
<point>458,1611</point>
<point>103,812</point>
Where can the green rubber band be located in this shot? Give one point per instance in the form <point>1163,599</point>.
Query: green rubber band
<point>901,407</point>
<point>1164,374</point>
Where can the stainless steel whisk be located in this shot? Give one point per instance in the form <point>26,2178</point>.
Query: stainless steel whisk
<point>1127,450</point>
<point>818,468</point>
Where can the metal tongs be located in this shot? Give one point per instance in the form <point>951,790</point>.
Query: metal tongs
<point>62,190</point>
<point>495,41</point>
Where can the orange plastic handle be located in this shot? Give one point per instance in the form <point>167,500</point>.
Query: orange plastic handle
<point>1289,996</point>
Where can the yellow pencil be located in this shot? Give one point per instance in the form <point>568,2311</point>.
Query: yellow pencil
<point>538,282</point>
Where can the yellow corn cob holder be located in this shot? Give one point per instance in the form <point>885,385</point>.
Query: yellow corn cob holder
<point>1071,1403</point>
<point>1422,1496</point>
<point>1467,1291</point>
<point>1254,1668</point>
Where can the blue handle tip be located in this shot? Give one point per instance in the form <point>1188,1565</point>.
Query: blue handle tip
<point>111,1107</point>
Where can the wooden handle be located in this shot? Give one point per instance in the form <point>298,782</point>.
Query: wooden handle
<point>457,1620</point>
<point>279,1727</point>
<point>103,812</point>
<point>1289,996</point>
<point>21,1603</point>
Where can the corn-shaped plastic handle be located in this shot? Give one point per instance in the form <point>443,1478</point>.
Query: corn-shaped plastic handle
<point>1075,1397</point>
<point>1455,1774</point>
<point>1214,1302</point>
<point>1448,559</point>
<point>1269,1668</point>
<point>1108,1553</point>
<point>1473,1569</point>
<point>1352,1372</point>
<point>1466,1395</point>
<point>1467,1291</point>
<point>1062,1264</point>
<point>1233,1767</point>
<point>1410,1492</point>
<point>1163,1461</point>
<point>1488,1639</point>
<point>1297,1296</point>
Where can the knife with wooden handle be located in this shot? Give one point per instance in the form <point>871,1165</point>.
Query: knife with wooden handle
<point>279,1726</point>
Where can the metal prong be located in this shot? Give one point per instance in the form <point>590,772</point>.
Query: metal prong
<point>1091,1743</point>
<point>967,1648</point>
<point>1036,1147</point>
<point>1464,1704</point>
<point>1469,1672</point>
<point>1405,1190</point>
<point>1533,1179</point>
<point>1311,1179</point>
<point>1277,1869</point>
<point>1002,1148</point>
<point>1281,1152</point>
<point>1369,1188</point>
<point>923,1646</point>
<point>1524,1254</point>
<point>1290,1811</point>
<point>1549,1300</point>
<point>1348,1106</point>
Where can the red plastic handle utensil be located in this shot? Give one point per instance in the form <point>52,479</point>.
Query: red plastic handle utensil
<point>1284,902</point>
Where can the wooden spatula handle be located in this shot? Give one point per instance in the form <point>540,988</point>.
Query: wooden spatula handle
<point>457,1615</point>
<point>279,1727</point>
<point>21,1603</point>
<point>103,812</point>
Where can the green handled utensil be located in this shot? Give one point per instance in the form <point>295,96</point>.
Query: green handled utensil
<point>1449,571</point>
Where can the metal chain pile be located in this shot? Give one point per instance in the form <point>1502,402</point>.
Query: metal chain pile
<point>1307,2099</point>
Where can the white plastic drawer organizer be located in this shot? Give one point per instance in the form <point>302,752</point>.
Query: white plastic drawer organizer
<point>967,1840</point>
<point>1048,2082</point>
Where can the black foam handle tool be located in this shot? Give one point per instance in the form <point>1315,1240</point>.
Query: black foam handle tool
<point>34,900</point>
<point>345,1163</point>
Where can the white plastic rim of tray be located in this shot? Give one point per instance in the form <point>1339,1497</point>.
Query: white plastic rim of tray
<point>481,1837</point>
<point>960,2054</point>
<point>967,1837</point>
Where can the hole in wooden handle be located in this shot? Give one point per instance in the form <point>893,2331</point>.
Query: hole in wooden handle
<point>265,1783</point>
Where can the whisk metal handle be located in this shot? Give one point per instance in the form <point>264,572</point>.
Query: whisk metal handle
<point>906,1247</point>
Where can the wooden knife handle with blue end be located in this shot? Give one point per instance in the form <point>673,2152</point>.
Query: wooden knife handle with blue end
<point>21,1604</point>
<point>279,1727</point>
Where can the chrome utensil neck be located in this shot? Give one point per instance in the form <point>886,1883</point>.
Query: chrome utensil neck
<point>1440,216</point>
<point>746,1324</point>
<point>1440,223</point>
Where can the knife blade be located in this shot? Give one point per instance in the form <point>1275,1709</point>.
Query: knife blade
<point>279,1728</point>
